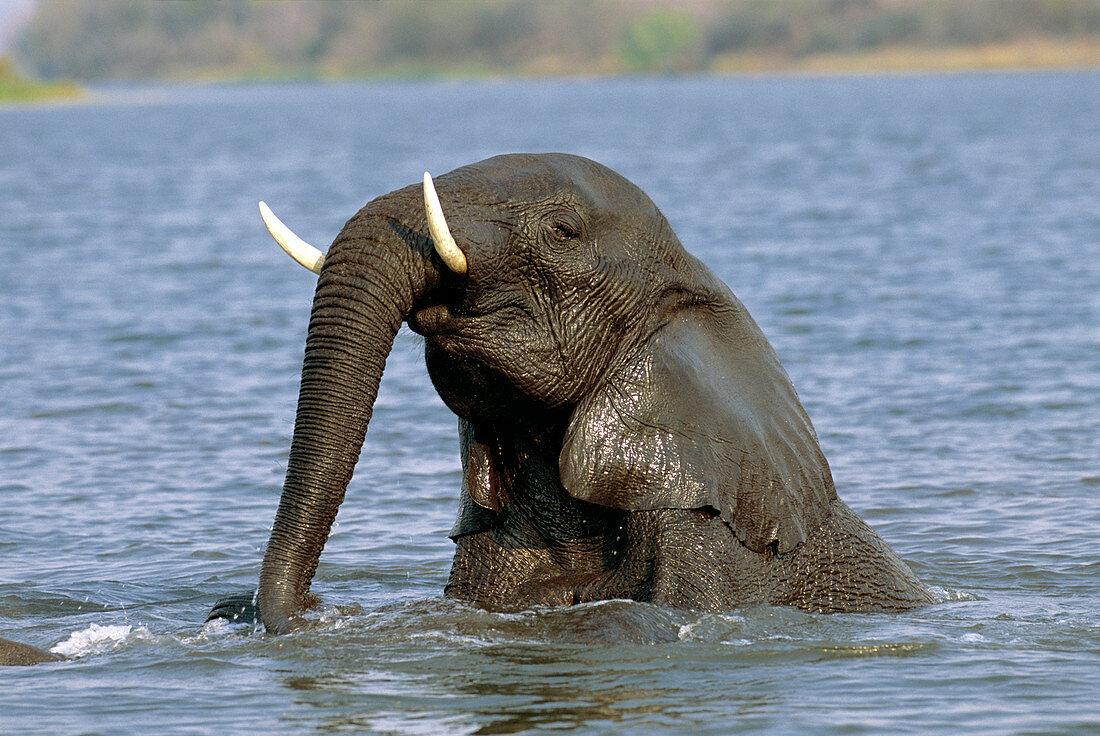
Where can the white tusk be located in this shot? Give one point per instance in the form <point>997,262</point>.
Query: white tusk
<point>295,247</point>
<point>445,244</point>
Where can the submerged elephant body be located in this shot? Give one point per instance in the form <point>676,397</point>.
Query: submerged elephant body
<point>626,429</point>
<point>688,559</point>
<point>17,653</point>
<point>545,547</point>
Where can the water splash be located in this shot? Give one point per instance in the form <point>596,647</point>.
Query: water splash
<point>97,639</point>
<point>947,595</point>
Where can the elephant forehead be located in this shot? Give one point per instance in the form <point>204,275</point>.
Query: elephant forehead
<point>540,176</point>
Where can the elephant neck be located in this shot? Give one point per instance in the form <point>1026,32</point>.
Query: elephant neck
<point>537,510</point>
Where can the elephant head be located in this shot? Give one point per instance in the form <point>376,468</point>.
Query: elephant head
<point>558,306</point>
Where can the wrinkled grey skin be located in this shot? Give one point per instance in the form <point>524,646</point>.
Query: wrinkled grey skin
<point>626,429</point>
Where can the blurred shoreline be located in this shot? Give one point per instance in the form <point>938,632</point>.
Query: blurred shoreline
<point>1015,57</point>
<point>107,41</point>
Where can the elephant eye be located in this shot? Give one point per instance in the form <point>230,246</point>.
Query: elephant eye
<point>564,231</point>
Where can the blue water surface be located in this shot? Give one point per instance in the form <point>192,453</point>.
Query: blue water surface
<point>923,252</point>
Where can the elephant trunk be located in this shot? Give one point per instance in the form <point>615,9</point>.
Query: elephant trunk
<point>375,273</point>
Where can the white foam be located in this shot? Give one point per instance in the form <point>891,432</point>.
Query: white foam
<point>215,627</point>
<point>96,639</point>
<point>944,595</point>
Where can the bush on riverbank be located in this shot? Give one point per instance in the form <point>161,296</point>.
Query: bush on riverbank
<point>16,88</point>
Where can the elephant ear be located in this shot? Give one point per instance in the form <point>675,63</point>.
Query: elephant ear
<point>481,495</point>
<point>703,416</point>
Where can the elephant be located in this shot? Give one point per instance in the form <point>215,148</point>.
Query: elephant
<point>626,431</point>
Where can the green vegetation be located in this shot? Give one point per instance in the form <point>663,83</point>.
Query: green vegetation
<point>137,39</point>
<point>661,41</point>
<point>16,88</point>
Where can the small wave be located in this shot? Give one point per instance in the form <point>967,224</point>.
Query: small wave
<point>714,627</point>
<point>946,595</point>
<point>76,410</point>
<point>97,639</point>
<point>213,629</point>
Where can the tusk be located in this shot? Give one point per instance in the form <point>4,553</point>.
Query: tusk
<point>295,247</point>
<point>445,244</point>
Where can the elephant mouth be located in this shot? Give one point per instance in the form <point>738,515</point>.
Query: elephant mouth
<point>441,321</point>
<point>439,325</point>
<point>434,321</point>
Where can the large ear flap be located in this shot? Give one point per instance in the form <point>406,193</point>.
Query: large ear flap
<point>703,415</point>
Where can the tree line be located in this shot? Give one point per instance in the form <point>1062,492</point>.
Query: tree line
<point>135,39</point>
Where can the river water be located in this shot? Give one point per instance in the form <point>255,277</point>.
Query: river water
<point>923,252</point>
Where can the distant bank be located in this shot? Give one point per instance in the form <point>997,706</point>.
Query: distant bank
<point>1032,55</point>
<point>138,41</point>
